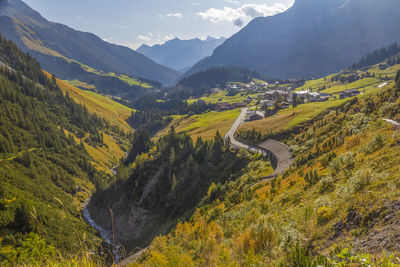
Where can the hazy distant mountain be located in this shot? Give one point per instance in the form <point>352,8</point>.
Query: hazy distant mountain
<point>54,44</point>
<point>311,39</point>
<point>181,54</point>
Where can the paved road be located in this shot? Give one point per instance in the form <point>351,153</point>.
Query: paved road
<point>231,133</point>
<point>279,152</point>
<point>395,123</point>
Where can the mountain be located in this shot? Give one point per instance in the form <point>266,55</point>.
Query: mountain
<point>181,54</point>
<point>311,39</point>
<point>67,52</point>
<point>53,153</point>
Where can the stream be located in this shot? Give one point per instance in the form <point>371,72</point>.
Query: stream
<point>106,235</point>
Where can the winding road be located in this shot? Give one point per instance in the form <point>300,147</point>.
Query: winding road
<point>278,152</point>
<point>394,123</point>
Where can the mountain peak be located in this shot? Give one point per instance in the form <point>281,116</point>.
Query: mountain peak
<point>311,39</point>
<point>312,5</point>
<point>19,10</point>
<point>180,54</point>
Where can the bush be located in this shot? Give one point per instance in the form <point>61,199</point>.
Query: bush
<point>33,251</point>
<point>299,257</point>
<point>374,145</point>
<point>360,180</point>
<point>324,214</point>
<point>327,185</point>
<point>327,158</point>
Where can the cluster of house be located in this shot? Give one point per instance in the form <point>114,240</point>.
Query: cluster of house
<point>223,106</point>
<point>284,96</point>
<point>251,87</point>
<point>349,93</point>
<point>288,97</point>
<point>255,115</point>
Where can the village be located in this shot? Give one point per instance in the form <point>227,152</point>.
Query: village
<point>267,99</point>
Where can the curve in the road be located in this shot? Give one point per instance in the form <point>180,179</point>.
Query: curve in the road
<point>277,152</point>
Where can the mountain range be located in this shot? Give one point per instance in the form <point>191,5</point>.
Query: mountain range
<point>311,39</point>
<point>69,53</point>
<point>181,54</point>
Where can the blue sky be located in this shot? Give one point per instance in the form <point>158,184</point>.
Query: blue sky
<point>133,22</point>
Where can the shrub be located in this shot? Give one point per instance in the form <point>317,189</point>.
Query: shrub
<point>374,144</point>
<point>360,180</point>
<point>344,162</point>
<point>327,158</point>
<point>327,185</point>
<point>33,251</point>
<point>353,141</point>
<point>259,239</point>
<point>324,214</point>
<point>312,177</point>
<point>299,257</point>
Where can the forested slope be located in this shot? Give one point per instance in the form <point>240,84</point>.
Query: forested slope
<point>46,172</point>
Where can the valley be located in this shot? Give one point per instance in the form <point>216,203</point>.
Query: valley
<point>239,151</point>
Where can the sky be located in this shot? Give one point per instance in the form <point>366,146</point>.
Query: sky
<point>134,22</point>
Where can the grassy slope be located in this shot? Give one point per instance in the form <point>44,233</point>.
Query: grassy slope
<point>107,157</point>
<point>35,44</point>
<point>122,77</point>
<point>103,106</point>
<point>205,125</point>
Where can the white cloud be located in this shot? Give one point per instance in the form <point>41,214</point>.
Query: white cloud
<point>144,38</point>
<point>232,1</point>
<point>149,39</point>
<point>174,15</point>
<point>108,40</point>
<point>237,16</point>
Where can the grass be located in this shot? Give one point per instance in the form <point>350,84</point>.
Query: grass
<point>106,157</point>
<point>288,118</point>
<point>360,84</point>
<point>336,87</point>
<point>122,77</point>
<point>205,125</point>
<point>214,98</point>
<point>129,80</point>
<point>103,106</point>
<point>83,85</point>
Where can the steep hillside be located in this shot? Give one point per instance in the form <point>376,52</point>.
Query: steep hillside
<point>165,180</point>
<point>61,50</point>
<point>311,39</point>
<point>113,112</point>
<point>53,154</point>
<point>181,54</point>
<point>338,205</point>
